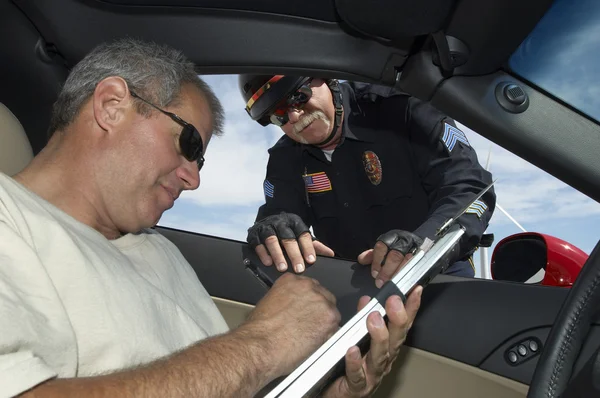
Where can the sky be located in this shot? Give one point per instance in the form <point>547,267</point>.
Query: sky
<point>558,59</point>
<point>562,54</point>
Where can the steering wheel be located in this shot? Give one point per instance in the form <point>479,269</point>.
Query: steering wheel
<point>568,333</point>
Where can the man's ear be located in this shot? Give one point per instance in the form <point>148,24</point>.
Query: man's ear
<point>110,101</point>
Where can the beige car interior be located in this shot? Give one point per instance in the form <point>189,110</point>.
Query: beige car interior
<point>15,150</point>
<point>415,374</point>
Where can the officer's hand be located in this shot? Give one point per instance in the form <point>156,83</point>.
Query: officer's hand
<point>392,250</point>
<point>269,234</point>
<point>364,374</point>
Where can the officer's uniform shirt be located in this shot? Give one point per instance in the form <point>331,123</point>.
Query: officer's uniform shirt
<point>401,165</point>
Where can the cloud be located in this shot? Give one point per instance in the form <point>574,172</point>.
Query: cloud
<point>501,160</point>
<point>236,162</point>
<point>527,193</point>
<point>231,223</point>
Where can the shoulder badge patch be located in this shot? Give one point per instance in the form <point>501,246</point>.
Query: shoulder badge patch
<point>452,135</point>
<point>478,208</point>
<point>317,182</point>
<point>269,189</point>
<point>372,167</point>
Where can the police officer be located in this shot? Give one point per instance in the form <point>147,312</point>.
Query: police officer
<point>372,170</point>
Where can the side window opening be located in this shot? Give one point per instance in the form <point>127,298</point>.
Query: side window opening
<point>231,187</point>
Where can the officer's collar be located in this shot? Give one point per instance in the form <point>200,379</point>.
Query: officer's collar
<point>353,112</point>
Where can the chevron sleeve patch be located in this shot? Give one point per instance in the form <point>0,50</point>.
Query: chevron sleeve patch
<point>269,189</point>
<point>478,208</point>
<point>452,135</point>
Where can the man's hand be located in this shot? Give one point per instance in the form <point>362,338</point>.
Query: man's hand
<point>296,316</point>
<point>392,250</point>
<point>364,374</point>
<point>269,234</point>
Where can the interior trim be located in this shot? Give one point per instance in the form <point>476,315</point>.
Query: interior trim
<point>418,373</point>
<point>235,313</point>
<point>542,135</point>
<point>220,41</point>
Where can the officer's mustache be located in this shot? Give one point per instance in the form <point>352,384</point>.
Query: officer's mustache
<point>308,118</point>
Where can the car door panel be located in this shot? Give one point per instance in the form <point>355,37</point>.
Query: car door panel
<point>418,373</point>
<point>470,321</point>
<point>235,313</point>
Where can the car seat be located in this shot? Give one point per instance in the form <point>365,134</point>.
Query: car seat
<point>15,149</point>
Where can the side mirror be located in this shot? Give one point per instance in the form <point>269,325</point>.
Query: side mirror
<point>519,257</point>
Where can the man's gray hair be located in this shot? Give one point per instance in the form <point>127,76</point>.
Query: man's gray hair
<point>155,72</point>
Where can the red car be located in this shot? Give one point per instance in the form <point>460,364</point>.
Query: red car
<point>521,256</point>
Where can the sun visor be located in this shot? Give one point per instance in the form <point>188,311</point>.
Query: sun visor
<point>395,19</point>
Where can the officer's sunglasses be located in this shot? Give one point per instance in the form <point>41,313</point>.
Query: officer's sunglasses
<point>295,101</point>
<point>190,140</point>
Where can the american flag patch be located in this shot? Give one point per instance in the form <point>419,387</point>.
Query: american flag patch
<point>478,208</point>
<point>269,189</point>
<point>317,182</point>
<point>452,135</point>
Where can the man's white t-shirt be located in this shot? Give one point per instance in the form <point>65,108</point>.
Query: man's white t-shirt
<point>75,304</point>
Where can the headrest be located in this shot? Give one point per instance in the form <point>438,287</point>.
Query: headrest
<point>15,150</point>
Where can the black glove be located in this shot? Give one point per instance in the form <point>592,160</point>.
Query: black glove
<point>283,225</point>
<point>403,241</point>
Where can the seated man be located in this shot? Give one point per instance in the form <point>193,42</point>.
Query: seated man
<point>93,303</point>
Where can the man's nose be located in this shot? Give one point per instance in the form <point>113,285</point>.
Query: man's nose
<point>294,115</point>
<point>190,175</point>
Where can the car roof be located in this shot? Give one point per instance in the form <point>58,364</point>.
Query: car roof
<point>389,42</point>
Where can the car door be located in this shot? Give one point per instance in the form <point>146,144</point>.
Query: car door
<point>462,339</point>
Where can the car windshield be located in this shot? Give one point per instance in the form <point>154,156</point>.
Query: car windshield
<point>562,54</point>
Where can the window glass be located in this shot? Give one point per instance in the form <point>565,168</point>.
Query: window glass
<point>534,200</point>
<point>562,54</point>
<point>231,187</point>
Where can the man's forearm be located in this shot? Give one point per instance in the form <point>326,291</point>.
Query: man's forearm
<point>236,364</point>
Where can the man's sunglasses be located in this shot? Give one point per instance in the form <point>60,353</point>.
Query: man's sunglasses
<point>190,140</point>
<point>295,101</point>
